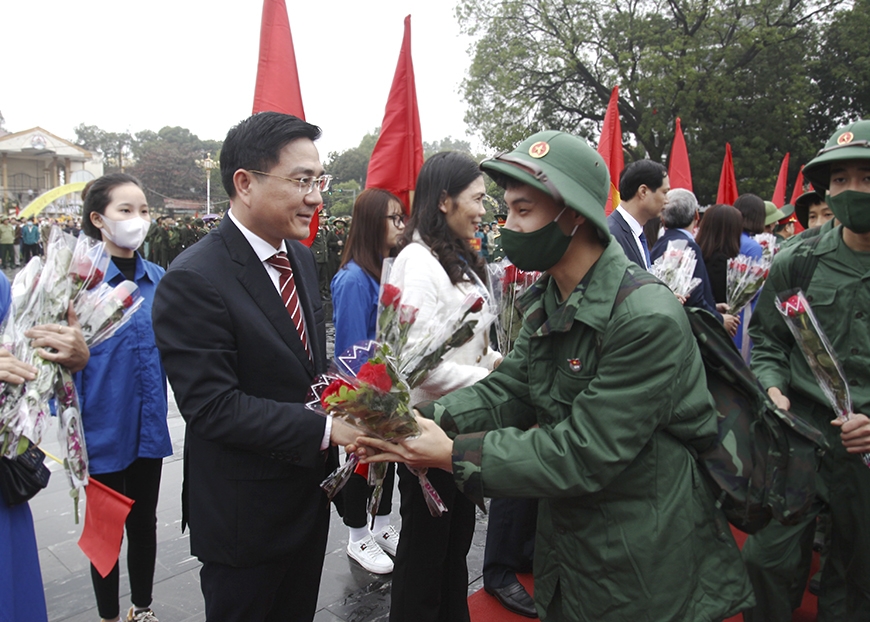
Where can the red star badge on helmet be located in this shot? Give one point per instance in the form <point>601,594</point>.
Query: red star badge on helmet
<point>845,138</point>
<point>539,149</point>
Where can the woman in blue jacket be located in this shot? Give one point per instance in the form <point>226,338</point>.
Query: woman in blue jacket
<point>122,392</point>
<point>378,222</point>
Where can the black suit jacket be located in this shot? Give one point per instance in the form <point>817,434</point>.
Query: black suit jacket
<point>621,230</point>
<point>702,296</point>
<point>240,374</point>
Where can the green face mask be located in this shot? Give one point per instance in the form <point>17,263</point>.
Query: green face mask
<point>539,250</point>
<point>852,208</point>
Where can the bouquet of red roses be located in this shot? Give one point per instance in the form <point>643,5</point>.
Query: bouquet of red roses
<point>745,277</point>
<point>508,284</point>
<point>817,350</point>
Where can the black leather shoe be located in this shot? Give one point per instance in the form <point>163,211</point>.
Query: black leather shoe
<point>515,598</point>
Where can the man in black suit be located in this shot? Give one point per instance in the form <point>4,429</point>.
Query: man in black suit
<point>241,351</point>
<point>680,218</point>
<point>643,190</point>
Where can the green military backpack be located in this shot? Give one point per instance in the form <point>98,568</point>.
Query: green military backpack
<point>762,464</point>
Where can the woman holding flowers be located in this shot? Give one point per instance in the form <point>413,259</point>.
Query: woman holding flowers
<point>378,223</point>
<point>436,270</point>
<point>123,392</point>
<point>719,239</point>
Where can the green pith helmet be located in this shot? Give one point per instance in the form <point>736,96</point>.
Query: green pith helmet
<point>562,165</point>
<point>851,142</point>
<point>802,206</point>
<point>772,214</point>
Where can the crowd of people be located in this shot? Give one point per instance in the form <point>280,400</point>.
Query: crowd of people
<point>584,435</point>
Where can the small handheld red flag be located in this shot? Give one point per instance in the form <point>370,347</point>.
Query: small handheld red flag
<point>679,171</point>
<point>610,148</point>
<point>398,154</point>
<point>105,514</point>
<point>727,180</point>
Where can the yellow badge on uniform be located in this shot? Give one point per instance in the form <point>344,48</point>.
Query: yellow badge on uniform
<point>845,138</point>
<point>575,365</point>
<point>539,149</point>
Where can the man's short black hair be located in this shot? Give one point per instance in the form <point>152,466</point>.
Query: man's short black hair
<point>641,173</point>
<point>256,143</point>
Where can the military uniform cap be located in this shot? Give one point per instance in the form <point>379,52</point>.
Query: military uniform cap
<point>562,165</point>
<point>802,206</point>
<point>851,142</point>
<point>772,214</point>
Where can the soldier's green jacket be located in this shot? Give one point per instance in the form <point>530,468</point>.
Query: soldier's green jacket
<point>808,233</point>
<point>626,525</point>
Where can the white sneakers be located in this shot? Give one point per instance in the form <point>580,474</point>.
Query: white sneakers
<point>388,540</point>
<point>370,556</point>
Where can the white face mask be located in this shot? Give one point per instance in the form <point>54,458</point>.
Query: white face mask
<point>128,233</point>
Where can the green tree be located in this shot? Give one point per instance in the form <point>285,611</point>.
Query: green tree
<point>353,163</point>
<point>340,197</point>
<point>446,144</point>
<point>115,147</point>
<point>732,71</point>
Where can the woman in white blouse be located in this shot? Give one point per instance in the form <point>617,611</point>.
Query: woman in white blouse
<point>436,269</point>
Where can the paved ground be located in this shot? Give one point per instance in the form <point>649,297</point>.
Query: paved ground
<point>347,592</point>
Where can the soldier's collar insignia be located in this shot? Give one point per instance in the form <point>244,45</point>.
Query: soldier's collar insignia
<point>845,138</point>
<point>575,365</point>
<point>539,149</point>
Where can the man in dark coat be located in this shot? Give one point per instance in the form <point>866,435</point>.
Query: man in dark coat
<point>254,456</point>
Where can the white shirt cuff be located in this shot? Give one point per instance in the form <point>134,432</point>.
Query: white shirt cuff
<point>327,432</point>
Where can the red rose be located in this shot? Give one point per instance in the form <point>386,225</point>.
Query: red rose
<point>83,274</point>
<point>407,314</point>
<point>390,296</point>
<point>333,389</point>
<point>741,267</point>
<point>126,293</point>
<point>794,306</point>
<point>375,374</point>
<point>477,306</point>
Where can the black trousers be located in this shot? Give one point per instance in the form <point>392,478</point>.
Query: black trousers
<point>510,541</point>
<point>356,493</point>
<point>141,482</point>
<point>430,578</point>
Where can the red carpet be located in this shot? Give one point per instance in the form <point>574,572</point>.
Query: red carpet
<point>485,608</point>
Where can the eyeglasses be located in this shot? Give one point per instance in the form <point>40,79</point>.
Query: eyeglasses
<point>399,220</point>
<point>306,184</point>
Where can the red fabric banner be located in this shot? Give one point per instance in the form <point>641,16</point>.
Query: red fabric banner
<point>727,180</point>
<point>679,171</point>
<point>781,181</point>
<point>398,154</point>
<point>610,148</point>
<point>277,88</point>
<point>105,514</point>
<point>798,186</point>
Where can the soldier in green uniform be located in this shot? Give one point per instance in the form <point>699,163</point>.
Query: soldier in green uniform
<point>815,216</point>
<point>834,269</point>
<point>321,257</point>
<point>496,252</point>
<point>335,243</point>
<point>593,412</point>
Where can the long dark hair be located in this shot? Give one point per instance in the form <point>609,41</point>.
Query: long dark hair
<point>751,206</point>
<point>445,174</point>
<point>365,242</point>
<point>97,195</point>
<point>719,231</point>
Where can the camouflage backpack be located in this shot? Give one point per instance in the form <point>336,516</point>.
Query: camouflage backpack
<point>762,464</point>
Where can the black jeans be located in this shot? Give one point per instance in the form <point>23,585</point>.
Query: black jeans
<point>356,493</point>
<point>141,482</point>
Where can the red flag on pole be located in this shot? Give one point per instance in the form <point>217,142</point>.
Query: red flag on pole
<point>679,171</point>
<point>798,186</point>
<point>779,191</point>
<point>727,180</point>
<point>277,88</point>
<point>610,148</point>
<point>105,514</point>
<point>398,154</point>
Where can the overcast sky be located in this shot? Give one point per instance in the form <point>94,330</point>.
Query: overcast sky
<point>193,63</point>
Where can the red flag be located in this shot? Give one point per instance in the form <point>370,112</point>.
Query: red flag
<point>277,88</point>
<point>610,148</point>
<point>679,171</point>
<point>798,186</point>
<point>779,192</point>
<point>398,154</point>
<point>105,514</point>
<point>798,190</point>
<point>727,180</point>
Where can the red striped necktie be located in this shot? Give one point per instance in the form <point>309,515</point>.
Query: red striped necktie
<point>287,285</point>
